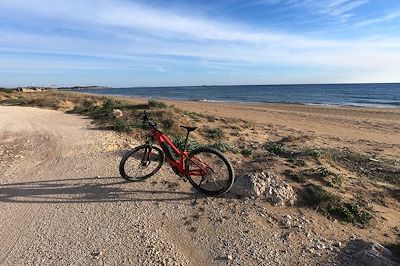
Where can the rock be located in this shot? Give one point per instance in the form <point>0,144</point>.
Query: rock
<point>368,253</point>
<point>96,254</point>
<point>116,113</point>
<point>287,220</point>
<point>338,244</point>
<point>230,257</point>
<point>265,185</point>
<point>253,185</point>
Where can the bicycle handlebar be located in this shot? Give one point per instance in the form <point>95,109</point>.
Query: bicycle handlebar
<point>147,120</point>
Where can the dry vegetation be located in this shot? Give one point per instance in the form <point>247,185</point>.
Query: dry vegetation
<point>337,182</point>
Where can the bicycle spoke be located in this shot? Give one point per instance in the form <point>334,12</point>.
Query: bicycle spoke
<point>141,163</point>
<point>217,174</point>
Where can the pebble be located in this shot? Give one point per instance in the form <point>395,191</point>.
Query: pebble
<point>96,254</point>
<point>338,244</point>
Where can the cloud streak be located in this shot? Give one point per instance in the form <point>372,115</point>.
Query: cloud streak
<point>391,16</point>
<point>339,9</point>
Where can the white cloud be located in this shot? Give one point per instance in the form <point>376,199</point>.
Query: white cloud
<point>138,34</point>
<point>135,17</point>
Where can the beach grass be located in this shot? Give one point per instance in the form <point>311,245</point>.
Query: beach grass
<point>354,211</point>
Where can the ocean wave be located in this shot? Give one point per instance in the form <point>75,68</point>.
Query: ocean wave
<point>209,100</point>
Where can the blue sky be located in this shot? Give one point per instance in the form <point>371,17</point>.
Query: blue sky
<point>175,42</point>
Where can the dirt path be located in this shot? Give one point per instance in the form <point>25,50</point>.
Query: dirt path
<point>62,202</point>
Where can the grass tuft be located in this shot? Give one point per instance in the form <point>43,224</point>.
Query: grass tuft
<point>122,125</point>
<point>154,104</point>
<point>247,151</point>
<point>313,152</point>
<point>179,142</point>
<point>223,146</point>
<point>276,148</point>
<point>355,212</point>
<point>386,171</point>
<point>215,133</point>
<point>298,177</point>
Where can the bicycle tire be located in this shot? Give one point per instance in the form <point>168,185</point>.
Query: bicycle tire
<point>131,153</point>
<point>227,184</point>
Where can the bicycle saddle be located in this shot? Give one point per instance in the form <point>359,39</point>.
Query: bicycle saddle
<point>189,129</point>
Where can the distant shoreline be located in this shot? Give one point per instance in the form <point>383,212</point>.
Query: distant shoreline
<point>83,88</point>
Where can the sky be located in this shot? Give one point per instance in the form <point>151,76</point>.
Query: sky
<point>126,43</point>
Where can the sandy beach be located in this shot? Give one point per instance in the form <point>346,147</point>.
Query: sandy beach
<point>360,127</point>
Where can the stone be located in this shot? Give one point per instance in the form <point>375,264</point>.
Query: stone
<point>369,253</point>
<point>338,244</point>
<point>116,113</point>
<point>266,185</point>
<point>96,254</point>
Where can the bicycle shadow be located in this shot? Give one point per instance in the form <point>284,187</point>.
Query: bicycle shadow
<point>86,190</point>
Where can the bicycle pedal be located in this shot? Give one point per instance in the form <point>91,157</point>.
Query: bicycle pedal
<point>182,177</point>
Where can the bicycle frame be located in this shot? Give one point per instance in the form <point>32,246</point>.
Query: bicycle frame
<point>178,165</point>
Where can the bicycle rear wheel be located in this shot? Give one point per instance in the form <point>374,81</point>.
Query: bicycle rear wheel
<point>141,162</point>
<point>209,171</point>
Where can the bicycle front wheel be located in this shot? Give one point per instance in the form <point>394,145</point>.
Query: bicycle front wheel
<point>209,171</point>
<point>142,162</point>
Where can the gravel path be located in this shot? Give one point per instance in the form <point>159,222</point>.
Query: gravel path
<point>62,202</point>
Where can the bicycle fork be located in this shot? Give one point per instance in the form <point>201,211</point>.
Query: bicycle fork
<point>146,155</point>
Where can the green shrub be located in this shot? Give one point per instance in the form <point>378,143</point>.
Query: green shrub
<point>154,104</point>
<point>246,151</point>
<point>168,123</point>
<point>289,138</point>
<point>297,162</point>
<point>86,107</point>
<point>323,171</point>
<point>111,104</point>
<point>235,133</point>
<point>336,181</point>
<point>382,170</point>
<point>179,142</point>
<point>223,146</point>
<point>6,90</point>
<point>358,213</point>
<point>275,148</point>
<point>313,152</point>
<point>298,177</point>
<point>215,133</point>
<point>292,138</point>
<point>15,101</point>
<point>122,125</point>
<point>211,118</point>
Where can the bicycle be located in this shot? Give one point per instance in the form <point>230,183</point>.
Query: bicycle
<point>206,168</point>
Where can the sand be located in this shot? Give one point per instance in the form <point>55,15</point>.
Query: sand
<point>361,128</point>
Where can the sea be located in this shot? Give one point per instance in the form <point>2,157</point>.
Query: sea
<point>363,95</point>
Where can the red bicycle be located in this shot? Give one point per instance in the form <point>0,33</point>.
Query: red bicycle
<point>206,168</point>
